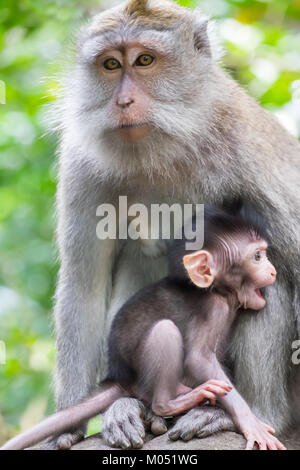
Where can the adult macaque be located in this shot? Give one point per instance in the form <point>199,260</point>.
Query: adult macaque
<point>148,113</point>
<point>172,335</point>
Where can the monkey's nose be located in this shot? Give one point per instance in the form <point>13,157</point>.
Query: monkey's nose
<point>125,101</point>
<point>274,273</point>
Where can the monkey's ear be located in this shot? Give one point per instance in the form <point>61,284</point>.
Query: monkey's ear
<point>201,38</point>
<point>198,266</point>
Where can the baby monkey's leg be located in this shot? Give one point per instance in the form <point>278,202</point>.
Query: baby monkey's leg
<point>160,363</point>
<point>161,367</point>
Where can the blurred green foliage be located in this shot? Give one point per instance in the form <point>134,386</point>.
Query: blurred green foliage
<point>262,43</point>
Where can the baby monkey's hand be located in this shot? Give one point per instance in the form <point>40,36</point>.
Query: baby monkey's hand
<point>211,390</point>
<point>257,432</point>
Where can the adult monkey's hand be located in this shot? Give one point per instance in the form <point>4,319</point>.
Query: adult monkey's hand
<point>125,422</point>
<point>201,422</point>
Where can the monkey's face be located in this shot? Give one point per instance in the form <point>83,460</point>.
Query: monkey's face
<point>144,88</point>
<point>130,70</point>
<point>138,76</point>
<point>238,265</point>
<point>257,272</point>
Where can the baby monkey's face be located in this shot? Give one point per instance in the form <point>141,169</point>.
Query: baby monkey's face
<point>239,264</point>
<point>256,272</point>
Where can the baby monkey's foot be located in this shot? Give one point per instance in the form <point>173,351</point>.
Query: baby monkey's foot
<point>158,425</point>
<point>211,390</point>
<point>257,432</point>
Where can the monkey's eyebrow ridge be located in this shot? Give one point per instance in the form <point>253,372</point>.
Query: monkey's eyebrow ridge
<point>96,44</point>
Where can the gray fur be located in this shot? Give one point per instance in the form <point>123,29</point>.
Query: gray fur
<point>123,424</point>
<point>125,421</point>
<point>201,422</point>
<point>211,141</point>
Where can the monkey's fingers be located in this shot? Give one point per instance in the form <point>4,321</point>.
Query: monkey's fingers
<point>267,443</point>
<point>216,390</point>
<point>270,430</point>
<point>275,444</point>
<point>126,438</point>
<point>67,440</point>
<point>272,446</point>
<point>264,441</point>
<point>207,395</point>
<point>262,445</point>
<point>268,427</point>
<point>220,383</point>
<point>250,442</point>
<point>122,424</point>
<point>187,425</point>
<point>272,442</point>
<point>158,425</point>
<point>279,445</point>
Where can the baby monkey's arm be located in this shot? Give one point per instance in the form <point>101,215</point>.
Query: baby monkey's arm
<point>254,430</point>
<point>160,382</point>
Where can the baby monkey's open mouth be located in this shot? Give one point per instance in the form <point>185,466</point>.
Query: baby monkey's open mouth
<point>259,293</point>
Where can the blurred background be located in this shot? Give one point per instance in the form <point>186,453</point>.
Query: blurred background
<point>262,51</point>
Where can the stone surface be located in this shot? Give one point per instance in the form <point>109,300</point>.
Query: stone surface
<point>220,441</point>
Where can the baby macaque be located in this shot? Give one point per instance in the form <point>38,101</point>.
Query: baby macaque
<point>167,343</point>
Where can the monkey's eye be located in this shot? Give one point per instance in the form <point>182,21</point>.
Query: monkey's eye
<point>257,256</point>
<point>112,64</point>
<point>144,60</point>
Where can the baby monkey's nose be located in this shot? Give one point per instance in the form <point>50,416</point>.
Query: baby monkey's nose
<point>273,273</point>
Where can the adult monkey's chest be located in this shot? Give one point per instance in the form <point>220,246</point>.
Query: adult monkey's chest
<point>155,208</point>
<point>154,220</point>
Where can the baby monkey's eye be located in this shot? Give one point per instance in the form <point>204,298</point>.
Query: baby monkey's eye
<point>258,256</point>
<point>144,60</point>
<point>112,64</point>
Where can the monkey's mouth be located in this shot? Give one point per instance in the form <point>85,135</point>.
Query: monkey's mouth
<point>259,294</point>
<point>133,132</point>
<point>133,125</point>
<point>253,299</point>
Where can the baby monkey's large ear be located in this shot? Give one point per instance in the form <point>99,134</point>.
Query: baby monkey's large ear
<point>199,268</point>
